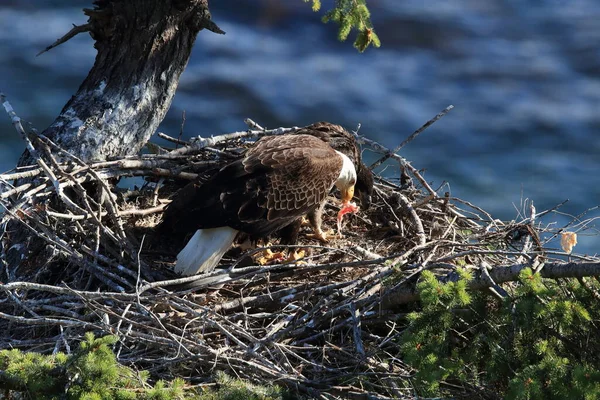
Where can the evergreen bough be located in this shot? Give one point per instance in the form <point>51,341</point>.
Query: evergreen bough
<point>539,343</point>
<point>93,373</point>
<point>351,14</point>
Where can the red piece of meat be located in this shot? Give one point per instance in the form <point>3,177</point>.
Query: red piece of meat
<point>346,208</point>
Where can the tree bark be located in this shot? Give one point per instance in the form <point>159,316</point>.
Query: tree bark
<point>143,47</point>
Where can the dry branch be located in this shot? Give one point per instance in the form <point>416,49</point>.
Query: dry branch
<point>412,137</point>
<point>77,29</point>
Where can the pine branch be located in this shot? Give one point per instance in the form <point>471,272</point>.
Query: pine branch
<point>351,14</point>
<point>499,274</point>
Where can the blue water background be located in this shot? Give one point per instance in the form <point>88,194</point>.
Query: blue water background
<point>524,77</point>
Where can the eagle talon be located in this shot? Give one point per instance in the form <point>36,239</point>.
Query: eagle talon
<point>304,221</point>
<point>295,256</point>
<point>269,257</point>
<point>322,236</point>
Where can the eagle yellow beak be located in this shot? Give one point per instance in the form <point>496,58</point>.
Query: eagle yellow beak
<point>347,194</point>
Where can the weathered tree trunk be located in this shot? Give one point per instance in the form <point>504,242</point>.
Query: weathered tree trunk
<point>143,47</point>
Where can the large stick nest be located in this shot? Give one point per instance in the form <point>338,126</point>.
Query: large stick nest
<point>328,325</point>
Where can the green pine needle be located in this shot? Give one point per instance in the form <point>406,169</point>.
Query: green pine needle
<point>349,15</point>
<point>93,373</point>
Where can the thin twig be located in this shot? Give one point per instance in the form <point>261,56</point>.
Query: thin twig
<point>72,33</point>
<point>412,136</point>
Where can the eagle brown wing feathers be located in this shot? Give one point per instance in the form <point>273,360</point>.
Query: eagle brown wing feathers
<point>277,181</point>
<point>302,171</point>
<point>337,137</point>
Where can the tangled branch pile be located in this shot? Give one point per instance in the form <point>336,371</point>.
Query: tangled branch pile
<point>329,326</point>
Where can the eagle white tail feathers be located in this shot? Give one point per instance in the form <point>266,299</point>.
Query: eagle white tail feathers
<point>204,250</point>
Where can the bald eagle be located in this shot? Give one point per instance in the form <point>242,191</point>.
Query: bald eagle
<point>275,183</point>
<point>344,142</point>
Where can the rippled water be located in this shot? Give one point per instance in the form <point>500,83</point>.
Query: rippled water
<point>524,78</point>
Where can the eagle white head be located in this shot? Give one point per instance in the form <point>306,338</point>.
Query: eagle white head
<point>347,179</point>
